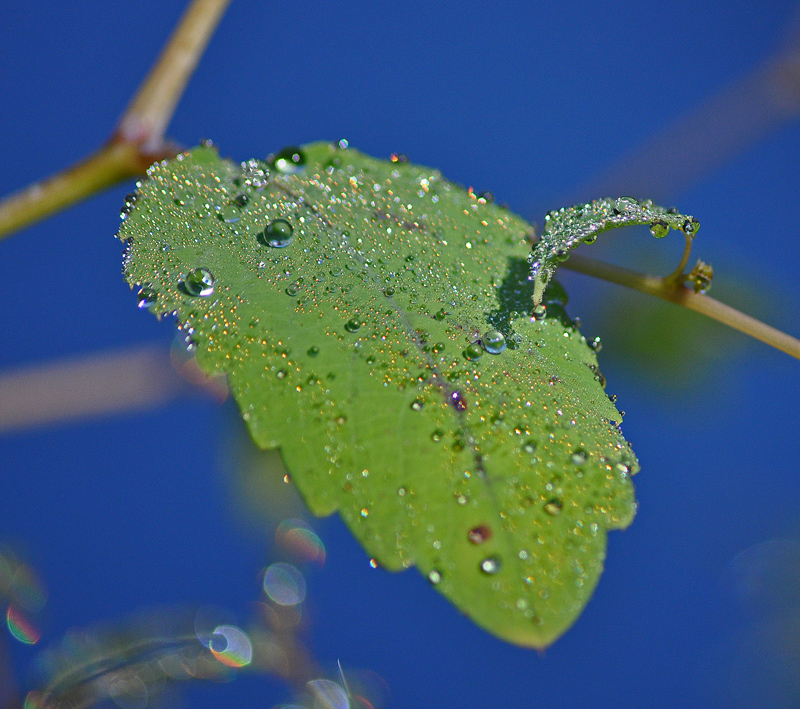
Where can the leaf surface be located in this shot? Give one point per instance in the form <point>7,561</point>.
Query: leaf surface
<point>566,228</point>
<point>374,323</point>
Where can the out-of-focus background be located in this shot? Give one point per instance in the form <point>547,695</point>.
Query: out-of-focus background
<point>159,504</point>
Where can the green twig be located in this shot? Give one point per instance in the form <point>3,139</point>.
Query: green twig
<point>139,138</point>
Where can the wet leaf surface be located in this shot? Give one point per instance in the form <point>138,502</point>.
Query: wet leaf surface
<point>375,324</point>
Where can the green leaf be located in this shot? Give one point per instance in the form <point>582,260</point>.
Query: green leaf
<point>374,323</point>
<point>566,228</point>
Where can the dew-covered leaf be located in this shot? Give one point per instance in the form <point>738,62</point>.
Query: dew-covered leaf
<point>566,228</point>
<point>374,322</point>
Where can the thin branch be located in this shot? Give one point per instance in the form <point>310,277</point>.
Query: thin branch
<point>148,114</point>
<point>681,295</point>
<point>108,383</point>
<point>138,140</point>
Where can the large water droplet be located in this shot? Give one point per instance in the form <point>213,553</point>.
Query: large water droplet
<point>277,234</point>
<point>659,228</point>
<point>352,325</point>
<point>289,160</point>
<point>416,405</point>
<point>490,565</point>
<point>473,352</point>
<point>690,227</point>
<point>230,213</point>
<point>539,312</point>
<point>494,342</point>
<point>199,282</point>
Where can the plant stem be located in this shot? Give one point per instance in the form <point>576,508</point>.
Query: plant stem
<point>149,112</point>
<point>138,140</point>
<point>681,295</point>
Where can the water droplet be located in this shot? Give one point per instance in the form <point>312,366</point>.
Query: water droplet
<point>553,507</point>
<point>401,491</point>
<point>540,311</point>
<point>127,205</point>
<point>478,535</point>
<point>373,563</point>
<point>623,204</point>
<point>659,228</point>
<point>199,282</point>
<point>313,351</point>
<point>529,446</point>
<point>281,374</point>
<point>289,160</point>
<point>595,344</point>
<point>473,352</point>
<point>434,576</point>
<point>364,512</point>
<point>230,213</point>
<point>690,226</point>
<point>388,291</point>
<point>416,405</point>
<point>490,565</point>
<point>440,315</point>
<point>278,234</point>
<point>457,400</point>
<point>398,157</point>
<point>352,325</point>
<point>437,347</point>
<point>147,297</point>
<point>437,435</point>
<point>293,289</point>
<point>494,342</point>
<point>578,457</point>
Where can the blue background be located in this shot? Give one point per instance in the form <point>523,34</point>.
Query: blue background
<point>532,101</point>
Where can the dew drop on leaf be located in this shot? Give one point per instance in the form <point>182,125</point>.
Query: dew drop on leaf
<point>289,160</point>
<point>478,535</point>
<point>553,507</point>
<point>494,342</point>
<point>659,228</point>
<point>199,282</point>
<point>147,297</point>
<point>277,234</point>
<point>490,565</point>
<point>473,352</point>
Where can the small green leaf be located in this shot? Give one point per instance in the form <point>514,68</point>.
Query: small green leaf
<point>566,228</point>
<point>374,322</point>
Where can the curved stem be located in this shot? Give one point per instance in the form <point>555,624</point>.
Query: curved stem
<point>678,276</point>
<point>138,140</point>
<point>681,295</point>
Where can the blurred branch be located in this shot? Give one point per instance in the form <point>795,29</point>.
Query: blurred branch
<point>138,140</point>
<point>724,126</point>
<point>675,292</point>
<point>117,382</point>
